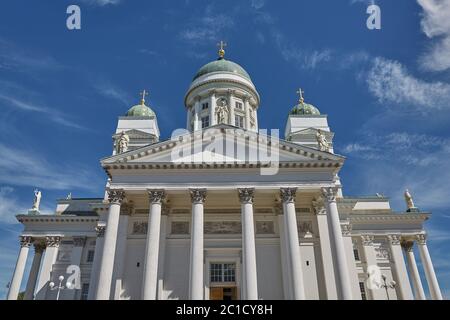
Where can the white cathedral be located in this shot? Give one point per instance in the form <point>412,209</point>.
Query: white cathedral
<point>224,211</point>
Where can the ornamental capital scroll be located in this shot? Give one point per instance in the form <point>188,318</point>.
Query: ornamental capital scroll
<point>198,195</point>
<point>288,194</point>
<point>25,241</point>
<point>115,196</point>
<point>394,239</point>
<point>156,196</point>
<point>246,195</point>
<point>319,206</point>
<point>367,239</point>
<point>100,230</point>
<point>52,241</point>
<point>421,239</point>
<point>329,193</point>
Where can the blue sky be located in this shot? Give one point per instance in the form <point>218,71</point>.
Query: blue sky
<point>386,92</point>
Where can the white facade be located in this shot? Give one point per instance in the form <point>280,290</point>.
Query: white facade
<point>210,225</point>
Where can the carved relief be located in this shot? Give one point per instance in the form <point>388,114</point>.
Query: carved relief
<point>25,241</point>
<point>198,195</point>
<point>265,227</point>
<point>382,253</point>
<point>329,193</point>
<point>222,227</point>
<point>367,240</point>
<point>100,230</point>
<point>288,194</point>
<point>115,196</point>
<point>156,196</point>
<point>52,241</point>
<point>346,229</point>
<point>421,239</point>
<point>140,227</point>
<point>394,239</point>
<point>246,195</point>
<point>304,228</point>
<point>180,227</point>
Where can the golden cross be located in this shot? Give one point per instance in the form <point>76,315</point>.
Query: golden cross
<point>300,93</point>
<point>221,46</point>
<point>143,94</point>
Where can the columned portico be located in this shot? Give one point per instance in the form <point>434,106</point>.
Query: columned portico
<point>370,261</point>
<point>52,244</point>
<point>25,243</point>
<point>149,286</point>
<point>343,277</point>
<point>250,278</point>
<point>399,271</point>
<point>39,248</point>
<point>419,293</point>
<point>95,269</point>
<point>433,284</point>
<point>196,289</point>
<point>103,291</point>
<point>290,225</point>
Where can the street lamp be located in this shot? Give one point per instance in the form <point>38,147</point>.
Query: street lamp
<point>386,286</point>
<point>59,287</point>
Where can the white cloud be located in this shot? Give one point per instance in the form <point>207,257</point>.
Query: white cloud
<point>108,90</point>
<point>25,167</point>
<point>9,206</point>
<point>389,81</point>
<point>257,4</point>
<point>102,3</point>
<point>435,24</point>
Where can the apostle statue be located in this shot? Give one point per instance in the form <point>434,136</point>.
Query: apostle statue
<point>409,201</point>
<point>222,111</point>
<point>37,200</point>
<point>322,141</point>
<point>122,143</point>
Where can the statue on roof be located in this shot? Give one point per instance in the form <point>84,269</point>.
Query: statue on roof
<point>122,143</point>
<point>37,200</point>
<point>322,141</point>
<point>410,202</point>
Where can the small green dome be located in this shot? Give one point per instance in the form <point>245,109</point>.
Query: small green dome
<point>222,65</point>
<point>305,109</point>
<point>140,110</point>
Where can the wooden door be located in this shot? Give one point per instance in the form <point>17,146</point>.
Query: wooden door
<point>216,293</point>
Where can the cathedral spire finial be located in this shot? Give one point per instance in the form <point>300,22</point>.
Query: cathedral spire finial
<point>221,46</point>
<point>300,93</point>
<point>143,94</point>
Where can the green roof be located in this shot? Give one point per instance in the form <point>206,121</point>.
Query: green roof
<point>305,109</point>
<point>222,65</point>
<point>140,110</point>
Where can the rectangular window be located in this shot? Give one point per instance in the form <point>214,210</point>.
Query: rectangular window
<point>205,106</point>
<point>238,105</point>
<point>222,272</point>
<point>84,291</point>
<point>356,254</point>
<point>362,288</point>
<point>239,121</point>
<point>90,256</point>
<point>205,122</point>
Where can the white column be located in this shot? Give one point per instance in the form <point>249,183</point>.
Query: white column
<point>95,269</point>
<point>419,293</point>
<point>149,285</point>
<point>109,249</point>
<point>348,244</point>
<point>197,122</point>
<point>286,272</point>
<point>196,290</point>
<point>212,108</point>
<point>75,260</point>
<point>370,261</point>
<point>39,248</point>
<point>247,112</point>
<point>162,255</point>
<point>49,258</point>
<point>121,249</point>
<point>343,278</point>
<point>403,286</point>
<point>231,106</point>
<point>432,281</point>
<point>248,243</point>
<point>325,249</point>
<point>293,245</point>
<point>25,243</point>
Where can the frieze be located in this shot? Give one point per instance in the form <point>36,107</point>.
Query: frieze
<point>180,227</point>
<point>140,227</point>
<point>265,227</point>
<point>222,227</point>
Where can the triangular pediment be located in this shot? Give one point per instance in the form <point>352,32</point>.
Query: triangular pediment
<point>134,133</point>
<point>222,144</point>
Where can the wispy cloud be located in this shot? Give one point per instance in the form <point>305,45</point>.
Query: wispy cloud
<point>9,205</point>
<point>26,167</point>
<point>102,3</point>
<point>435,24</point>
<point>389,81</point>
<point>109,90</point>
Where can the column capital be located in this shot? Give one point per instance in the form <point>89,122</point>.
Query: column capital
<point>115,196</point>
<point>198,195</point>
<point>39,247</point>
<point>100,230</point>
<point>288,194</point>
<point>246,195</point>
<point>52,241</point>
<point>319,206</point>
<point>197,99</point>
<point>394,239</point>
<point>79,241</point>
<point>421,238</point>
<point>212,92</point>
<point>407,245</point>
<point>367,239</point>
<point>346,229</point>
<point>25,241</point>
<point>329,193</point>
<point>156,195</point>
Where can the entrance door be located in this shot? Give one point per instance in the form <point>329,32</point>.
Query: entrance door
<point>223,293</point>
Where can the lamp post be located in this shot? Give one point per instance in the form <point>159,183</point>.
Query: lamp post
<point>59,287</point>
<point>386,286</point>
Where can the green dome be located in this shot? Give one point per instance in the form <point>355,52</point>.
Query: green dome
<point>140,110</point>
<point>222,65</point>
<point>305,109</point>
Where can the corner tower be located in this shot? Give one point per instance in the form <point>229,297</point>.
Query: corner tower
<point>222,92</point>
